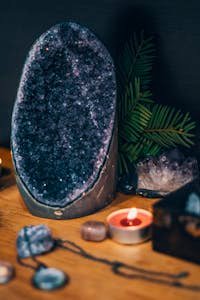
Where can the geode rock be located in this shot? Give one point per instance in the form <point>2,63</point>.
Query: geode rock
<point>34,240</point>
<point>158,176</point>
<point>63,125</point>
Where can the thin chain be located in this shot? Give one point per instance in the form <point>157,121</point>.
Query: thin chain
<point>72,247</point>
<point>117,268</point>
<point>39,264</point>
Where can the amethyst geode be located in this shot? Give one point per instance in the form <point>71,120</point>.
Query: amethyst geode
<point>63,124</point>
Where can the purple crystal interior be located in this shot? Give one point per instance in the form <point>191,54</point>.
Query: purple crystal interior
<point>34,240</point>
<point>166,173</point>
<point>63,118</point>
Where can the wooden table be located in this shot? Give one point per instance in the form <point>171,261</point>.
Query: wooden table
<point>89,280</point>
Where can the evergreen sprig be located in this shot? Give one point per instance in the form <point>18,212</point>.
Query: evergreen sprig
<point>145,128</point>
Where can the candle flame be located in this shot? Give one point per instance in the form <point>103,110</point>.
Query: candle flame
<point>132,214</point>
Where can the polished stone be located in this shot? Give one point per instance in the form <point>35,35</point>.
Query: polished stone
<point>6,272</point>
<point>49,279</point>
<point>93,231</point>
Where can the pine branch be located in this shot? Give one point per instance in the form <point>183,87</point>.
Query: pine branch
<point>132,96</point>
<point>137,61</point>
<point>145,128</point>
<point>169,128</point>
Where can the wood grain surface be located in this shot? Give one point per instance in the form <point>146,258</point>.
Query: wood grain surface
<point>88,280</point>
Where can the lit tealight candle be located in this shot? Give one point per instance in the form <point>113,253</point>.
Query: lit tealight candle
<point>130,225</point>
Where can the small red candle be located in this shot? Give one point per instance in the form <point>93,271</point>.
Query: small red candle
<point>130,226</point>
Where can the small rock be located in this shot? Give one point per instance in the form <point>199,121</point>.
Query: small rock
<point>34,240</point>
<point>93,231</point>
<point>49,279</point>
<point>6,272</point>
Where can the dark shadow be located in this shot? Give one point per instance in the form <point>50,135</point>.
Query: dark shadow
<point>132,19</point>
<point>5,172</point>
<point>7,178</point>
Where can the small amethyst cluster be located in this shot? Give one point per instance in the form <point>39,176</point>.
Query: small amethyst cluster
<point>165,173</point>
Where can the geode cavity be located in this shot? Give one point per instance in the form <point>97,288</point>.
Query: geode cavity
<point>63,124</point>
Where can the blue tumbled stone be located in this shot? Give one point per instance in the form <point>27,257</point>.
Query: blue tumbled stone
<point>34,240</point>
<point>63,117</point>
<point>49,279</point>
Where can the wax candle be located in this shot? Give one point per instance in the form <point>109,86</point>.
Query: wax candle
<point>130,225</point>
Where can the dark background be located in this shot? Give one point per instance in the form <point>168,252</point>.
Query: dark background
<point>175,24</point>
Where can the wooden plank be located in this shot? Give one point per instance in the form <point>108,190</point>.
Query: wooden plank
<point>89,280</point>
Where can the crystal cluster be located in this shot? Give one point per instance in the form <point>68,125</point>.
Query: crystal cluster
<point>166,173</point>
<point>63,118</point>
<point>34,240</point>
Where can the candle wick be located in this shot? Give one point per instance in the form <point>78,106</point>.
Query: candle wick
<point>130,222</point>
